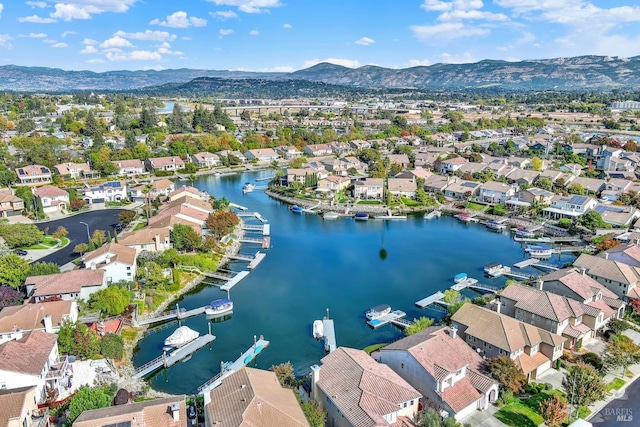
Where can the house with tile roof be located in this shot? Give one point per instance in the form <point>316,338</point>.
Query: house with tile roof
<point>130,167</point>
<point>618,277</point>
<point>288,152</point>
<point>495,192</point>
<point>33,360</point>
<point>10,204</point>
<point>317,149</point>
<point>111,191</point>
<point>147,239</point>
<point>53,199</point>
<point>494,334</point>
<point>18,408</point>
<point>157,188</point>
<point>522,176</point>
<point>183,211</point>
<point>462,189</point>
<point>452,165</point>
<point>71,285</point>
<point>73,170</point>
<point>168,163</point>
<point>18,320</point>
<point>205,159</point>
<point>163,412</point>
<point>448,372</point>
<point>116,260</point>
<point>252,397</point>
<point>187,190</point>
<point>570,206</point>
<point>574,320</point>
<point>402,187</point>
<point>333,184</point>
<point>33,175</point>
<point>369,188</point>
<point>357,391</point>
<point>617,216</point>
<point>262,154</point>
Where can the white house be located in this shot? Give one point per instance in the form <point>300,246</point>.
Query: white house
<point>112,191</point>
<point>369,188</point>
<point>117,261</point>
<point>147,239</point>
<point>262,154</point>
<point>129,167</point>
<point>73,170</point>
<point>452,165</point>
<point>569,206</point>
<point>169,163</point>
<point>33,175</point>
<point>18,320</point>
<point>53,198</point>
<point>205,159</point>
<point>495,192</point>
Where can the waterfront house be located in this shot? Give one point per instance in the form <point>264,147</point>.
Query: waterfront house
<point>184,211</point>
<point>234,157</point>
<point>443,368</point>
<point>187,200</point>
<point>618,277</point>
<point>336,166</point>
<point>205,159</point>
<point>494,334</point>
<point>33,175</point>
<point>53,199</point>
<point>449,166</point>
<point>18,320</point>
<point>10,204</point>
<point>262,154</point>
<point>297,175</point>
<point>188,191</point>
<point>438,183</point>
<point>402,187</point>
<point>163,412</point>
<point>317,149</point>
<point>288,152</point>
<point>72,170</point>
<point>495,192</point>
<point>157,188</point>
<point>369,188</point>
<point>462,190</point>
<point>617,216</point>
<point>112,191</point>
<point>129,167</point>
<point>118,262</point>
<point>522,176</point>
<point>333,184</point>
<point>33,360</point>
<point>554,313</point>
<point>357,391</point>
<point>579,286</point>
<point>626,253</point>
<point>168,164</point>
<point>168,222</point>
<point>147,239</point>
<point>71,285</point>
<point>252,397</point>
<point>568,206</point>
<point>18,408</point>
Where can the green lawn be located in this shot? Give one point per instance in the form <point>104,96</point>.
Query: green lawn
<point>370,349</point>
<point>410,202</point>
<point>140,225</point>
<point>615,384</point>
<point>525,412</point>
<point>474,206</point>
<point>369,202</point>
<point>47,243</point>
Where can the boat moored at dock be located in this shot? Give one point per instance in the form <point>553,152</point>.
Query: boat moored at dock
<point>180,337</point>
<point>361,216</point>
<point>219,307</point>
<point>463,217</point>
<point>378,311</point>
<point>318,329</point>
<point>296,209</point>
<point>330,215</point>
<point>539,251</point>
<point>495,225</point>
<point>495,269</point>
<point>524,232</point>
<point>460,277</point>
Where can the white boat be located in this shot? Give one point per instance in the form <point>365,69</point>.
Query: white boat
<point>248,187</point>
<point>219,307</point>
<point>378,311</point>
<point>460,277</point>
<point>432,214</point>
<point>181,336</point>
<point>330,215</point>
<point>539,251</point>
<point>318,329</point>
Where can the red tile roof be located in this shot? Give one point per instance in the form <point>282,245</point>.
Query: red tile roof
<point>64,283</point>
<point>29,354</point>
<point>460,395</point>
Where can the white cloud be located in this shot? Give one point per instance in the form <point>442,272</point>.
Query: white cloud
<point>458,58</point>
<point>136,55</point>
<point>1,7</point>
<point>83,9</point>
<point>35,19</point>
<point>36,4</point>
<point>459,15</point>
<point>446,31</point>
<point>68,33</point>
<point>445,6</point>
<point>224,32</point>
<point>34,35</point>
<point>165,49</point>
<point>59,45</point>
<point>115,41</point>
<point>89,42</point>
<point>254,32</point>
<point>365,41</point>
<point>180,19</point>
<point>350,63</point>
<point>419,62</point>
<point>89,50</point>
<point>224,14</point>
<point>4,41</point>
<point>249,6</point>
<point>287,26</point>
<point>49,41</point>
<point>158,36</point>
<point>69,12</point>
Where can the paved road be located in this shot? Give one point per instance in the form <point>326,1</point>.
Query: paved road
<point>97,220</point>
<point>624,411</point>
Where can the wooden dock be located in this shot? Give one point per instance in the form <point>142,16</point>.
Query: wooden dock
<point>233,205</point>
<point>252,260</point>
<point>234,281</point>
<point>387,318</point>
<point>464,284</point>
<point>255,215</point>
<point>329,335</point>
<point>167,360</point>
<point>526,263</point>
<point>242,361</point>
<point>431,299</point>
<point>177,314</point>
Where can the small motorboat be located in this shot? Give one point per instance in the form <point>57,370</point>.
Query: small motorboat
<point>180,337</point>
<point>248,187</point>
<point>463,217</point>
<point>318,329</point>
<point>539,251</point>
<point>361,216</point>
<point>330,215</point>
<point>378,311</point>
<point>460,277</point>
<point>296,209</point>
<point>219,307</point>
<point>525,232</point>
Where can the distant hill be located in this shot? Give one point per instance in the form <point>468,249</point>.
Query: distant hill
<point>593,73</point>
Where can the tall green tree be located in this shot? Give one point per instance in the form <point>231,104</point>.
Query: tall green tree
<point>13,270</point>
<point>111,300</point>
<point>418,325</point>
<point>621,352</point>
<point>583,385</point>
<point>85,399</point>
<point>507,373</point>
<point>43,269</point>
<point>184,237</point>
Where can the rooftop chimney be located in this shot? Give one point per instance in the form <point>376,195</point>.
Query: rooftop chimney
<point>48,323</point>
<point>453,332</point>
<point>606,255</point>
<point>540,284</point>
<point>584,271</point>
<point>498,304</point>
<point>175,411</point>
<point>315,377</point>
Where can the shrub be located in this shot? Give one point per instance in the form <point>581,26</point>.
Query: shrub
<point>76,205</point>
<point>592,359</point>
<point>112,346</point>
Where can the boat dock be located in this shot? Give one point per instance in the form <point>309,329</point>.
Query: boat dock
<point>265,229</point>
<point>233,205</point>
<point>230,279</point>
<point>520,276</point>
<point>234,281</point>
<point>329,335</point>
<point>526,263</point>
<point>532,239</point>
<point>311,210</point>
<point>242,361</point>
<point>387,318</point>
<point>265,241</point>
<point>469,283</point>
<point>177,314</point>
<point>255,215</point>
<point>167,360</point>
<point>252,260</point>
<point>430,300</point>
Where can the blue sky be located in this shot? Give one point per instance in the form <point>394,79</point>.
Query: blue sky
<point>288,35</point>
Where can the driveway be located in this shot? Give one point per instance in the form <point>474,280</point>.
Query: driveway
<point>625,410</point>
<point>96,219</point>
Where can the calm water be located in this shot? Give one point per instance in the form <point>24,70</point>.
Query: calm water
<point>316,264</point>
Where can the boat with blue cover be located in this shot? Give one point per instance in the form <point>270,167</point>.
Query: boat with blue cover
<point>296,209</point>
<point>219,307</point>
<point>361,216</point>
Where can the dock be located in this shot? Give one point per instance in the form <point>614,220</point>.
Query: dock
<point>177,314</point>
<point>167,360</point>
<point>255,215</point>
<point>265,242</point>
<point>387,318</point>
<point>228,369</point>
<point>430,300</point>
<point>520,276</point>
<point>526,263</point>
<point>311,210</point>
<point>253,260</point>
<point>234,281</point>
<point>532,239</point>
<point>463,284</point>
<point>233,205</point>
<point>329,335</point>
<point>230,279</point>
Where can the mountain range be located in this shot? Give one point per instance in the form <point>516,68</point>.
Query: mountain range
<point>583,73</point>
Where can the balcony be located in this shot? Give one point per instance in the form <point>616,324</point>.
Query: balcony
<point>59,370</point>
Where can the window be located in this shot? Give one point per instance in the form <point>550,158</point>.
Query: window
<point>402,366</point>
<point>3,385</point>
<point>128,268</point>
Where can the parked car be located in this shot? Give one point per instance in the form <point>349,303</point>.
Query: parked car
<point>20,252</point>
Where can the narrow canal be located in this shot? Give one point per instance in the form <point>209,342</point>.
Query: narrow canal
<point>342,265</point>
